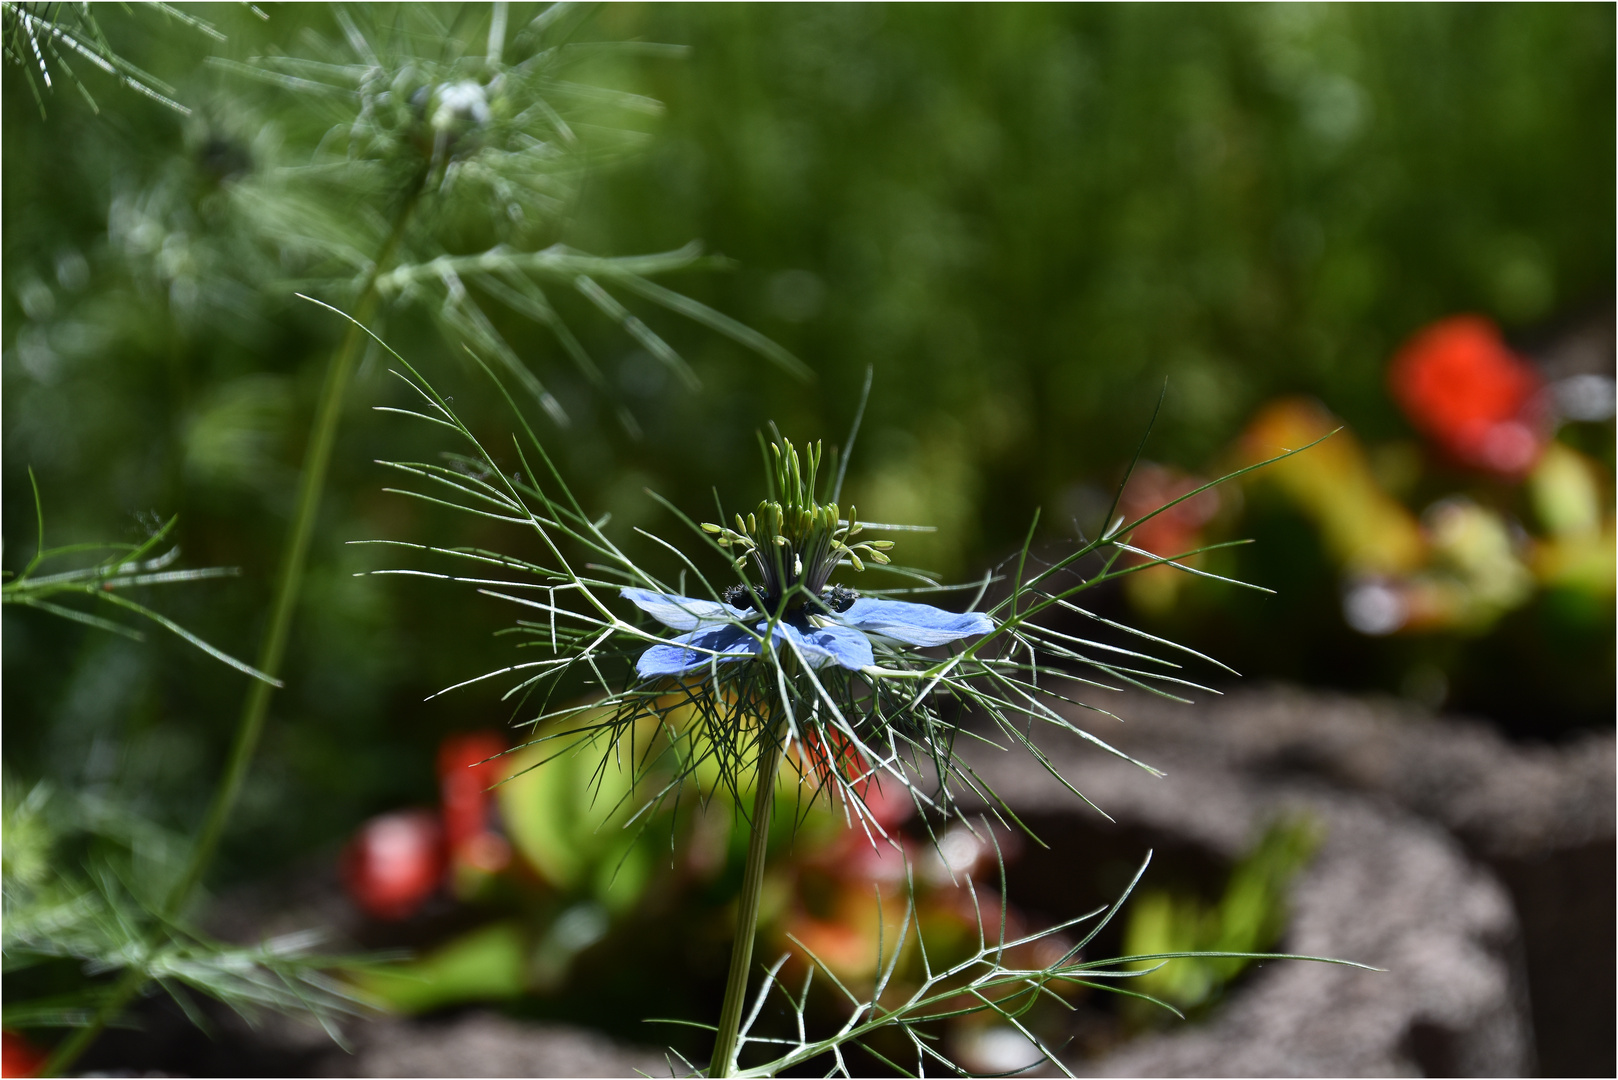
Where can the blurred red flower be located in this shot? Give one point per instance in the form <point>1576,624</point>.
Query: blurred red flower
<point>1480,403</point>
<point>18,1056</point>
<point>394,863</point>
<point>468,766</point>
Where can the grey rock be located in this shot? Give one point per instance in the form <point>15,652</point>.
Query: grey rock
<point>1392,885</point>
<point>1539,816</point>
<point>485,1044</point>
<point>1501,799</point>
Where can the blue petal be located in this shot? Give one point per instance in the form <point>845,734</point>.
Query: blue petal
<point>824,645</point>
<point>680,612</point>
<point>676,658</point>
<point>915,624</point>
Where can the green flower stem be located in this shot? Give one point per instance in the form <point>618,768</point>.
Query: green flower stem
<point>741,952</point>
<point>68,1051</point>
<point>294,558</point>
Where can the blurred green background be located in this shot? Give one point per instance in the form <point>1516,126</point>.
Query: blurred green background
<point>1026,219</point>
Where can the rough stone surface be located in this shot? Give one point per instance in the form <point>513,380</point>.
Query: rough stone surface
<point>1387,892</point>
<point>1388,887</point>
<point>485,1044</point>
<point>469,1043</point>
<point>1540,817</point>
<point>1502,799</point>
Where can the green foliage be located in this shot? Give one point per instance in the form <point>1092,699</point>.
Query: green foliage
<point>1248,918</point>
<point>129,566</point>
<point>85,880</point>
<point>497,139</point>
<point>40,36</point>
<point>1026,220</point>
<point>486,964</point>
<point>91,886</point>
<point>569,820</point>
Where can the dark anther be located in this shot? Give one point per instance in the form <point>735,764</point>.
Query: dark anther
<point>839,598</point>
<point>740,597</point>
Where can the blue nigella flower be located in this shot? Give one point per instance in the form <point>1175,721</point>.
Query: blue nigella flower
<point>792,544</point>
<point>717,632</point>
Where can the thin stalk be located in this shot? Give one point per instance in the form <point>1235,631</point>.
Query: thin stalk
<point>294,558</point>
<point>741,951</point>
<point>68,1051</point>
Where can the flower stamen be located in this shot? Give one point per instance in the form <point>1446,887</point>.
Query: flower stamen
<point>794,543</point>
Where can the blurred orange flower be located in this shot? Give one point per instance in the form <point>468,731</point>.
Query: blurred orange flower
<point>1172,532</point>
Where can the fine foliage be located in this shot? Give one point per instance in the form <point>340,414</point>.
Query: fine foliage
<point>407,163</point>
<point>86,881</point>
<point>126,566</point>
<point>92,888</point>
<point>41,37</point>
